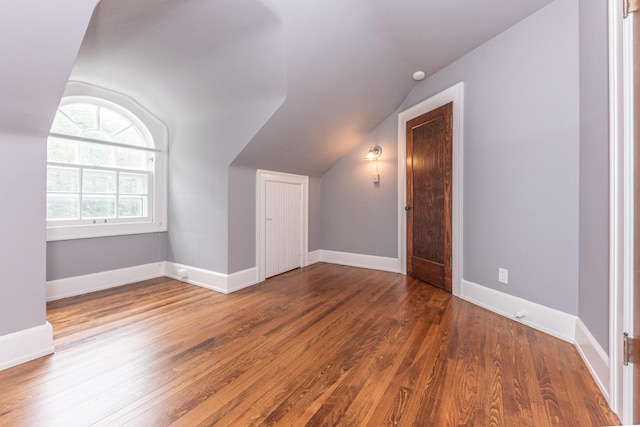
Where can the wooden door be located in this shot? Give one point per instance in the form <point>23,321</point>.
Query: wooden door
<point>429,201</point>
<point>283,237</point>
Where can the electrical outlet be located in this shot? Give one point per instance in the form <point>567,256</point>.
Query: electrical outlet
<point>503,275</point>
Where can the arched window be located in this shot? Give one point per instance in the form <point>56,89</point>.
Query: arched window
<point>104,171</point>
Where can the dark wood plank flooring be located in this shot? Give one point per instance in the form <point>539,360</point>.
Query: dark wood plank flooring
<point>322,346</point>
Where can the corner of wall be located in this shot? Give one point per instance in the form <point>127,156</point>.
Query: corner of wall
<point>594,357</point>
<point>219,282</point>
<point>24,346</point>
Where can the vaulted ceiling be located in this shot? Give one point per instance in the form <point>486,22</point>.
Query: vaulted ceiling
<point>325,72</point>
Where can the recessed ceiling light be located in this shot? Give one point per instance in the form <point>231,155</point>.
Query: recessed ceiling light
<point>418,75</point>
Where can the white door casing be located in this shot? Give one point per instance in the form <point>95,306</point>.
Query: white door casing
<point>281,222</point>
<point>621,200</point>
<point>453,94</point>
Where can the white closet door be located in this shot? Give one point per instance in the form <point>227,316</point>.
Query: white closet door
<point>283,227</point>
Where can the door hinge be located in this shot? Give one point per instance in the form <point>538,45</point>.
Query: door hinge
<point>630,6</point>
<point>629,350</point>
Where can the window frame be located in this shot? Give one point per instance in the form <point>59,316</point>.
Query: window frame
<point>157,133</point>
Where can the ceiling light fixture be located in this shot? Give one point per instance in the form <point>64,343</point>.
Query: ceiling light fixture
<point>418,75</point>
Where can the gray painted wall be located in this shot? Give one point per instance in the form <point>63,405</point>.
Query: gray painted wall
<point>242,218</point>
<point>22,231</point>
<point>199,167</point>
<point>594,170</point>
<point>200,156</point>
<point>70,258</point>
<point>315,184</point>
<point>32,83</point>
<point>197,224</point>
<point>521,154</point>
<point>357,215</point>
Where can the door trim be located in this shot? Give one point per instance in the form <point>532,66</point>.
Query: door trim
<point>262,177</point>
<point>621,213</point>
<point>454,94</point>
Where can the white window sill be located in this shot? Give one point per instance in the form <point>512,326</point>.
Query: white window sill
<point>103,230</point>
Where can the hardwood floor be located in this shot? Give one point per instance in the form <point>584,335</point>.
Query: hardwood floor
<point>325,345</point>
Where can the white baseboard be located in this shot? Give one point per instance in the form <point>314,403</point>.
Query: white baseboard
<point>197,276</point>
<point>553,322</point>
<point>594,357</point>
<point>358,260</point>
<point>225,283</point>
<point>23,346</point>
<point>242,279</point>
<point>313,257</point>
<point>78,285</point>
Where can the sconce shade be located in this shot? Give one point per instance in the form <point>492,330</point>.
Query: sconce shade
<point>374,153</point>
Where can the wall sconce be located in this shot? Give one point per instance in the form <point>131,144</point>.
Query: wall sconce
<point>374,154</point>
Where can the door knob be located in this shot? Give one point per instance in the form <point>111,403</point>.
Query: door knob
<point>407,208</point>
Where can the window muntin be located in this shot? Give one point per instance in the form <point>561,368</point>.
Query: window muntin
<point>101,169</point>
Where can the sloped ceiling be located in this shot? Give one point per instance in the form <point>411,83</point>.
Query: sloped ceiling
<point>36,53</point>
<point>348,64</point>
<point>182,59</point>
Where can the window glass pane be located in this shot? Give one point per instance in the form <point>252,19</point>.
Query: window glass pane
<point>99,207</point>
<point>94,181</point>
<point>131,159</point>
<point>96,154</point>
<point>99,170</point>
<point>133,183</point>
<point>62,124</point>
<point>84,115</point>
<point>62,150</point>
<point>63,179</point>
<point>96,134</point>
<point>130,136</point>
<point>63,206</point>
<point>132,206</point>
<point>112,122</point>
